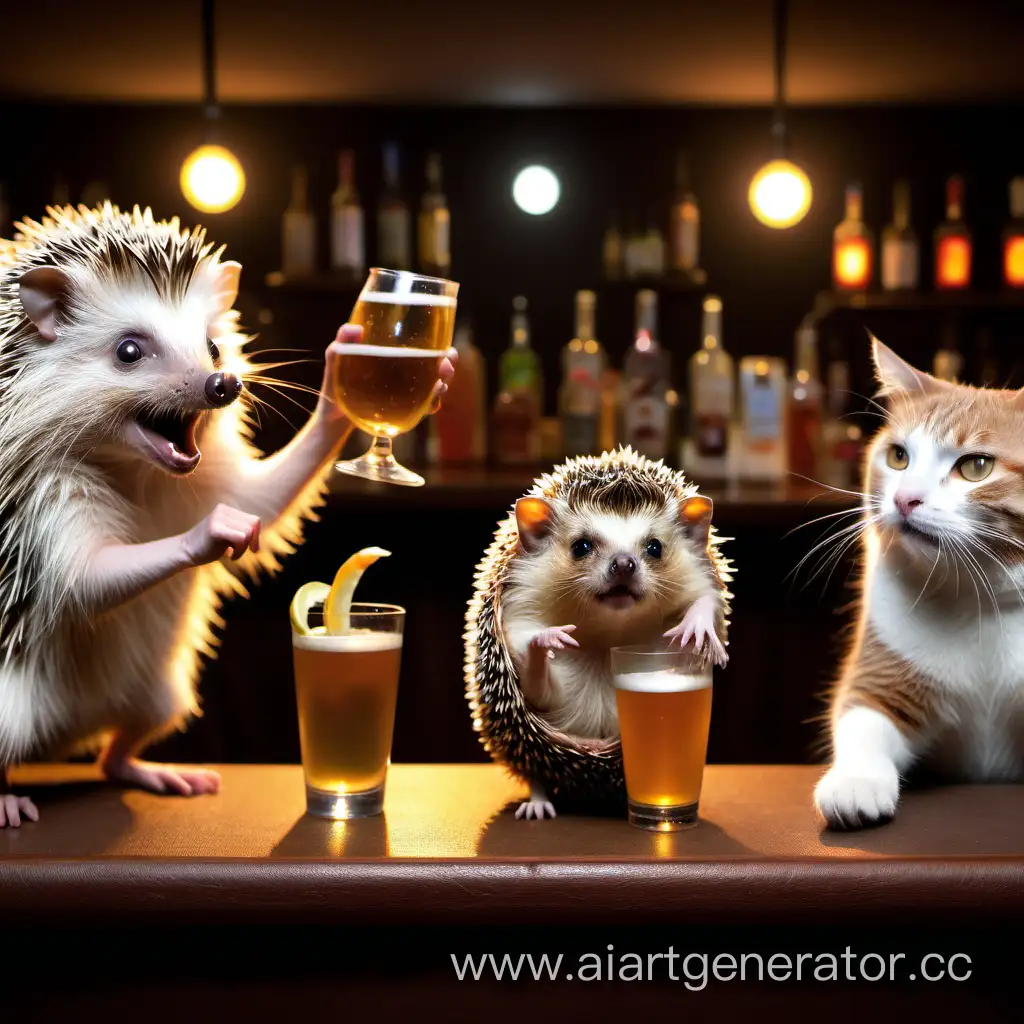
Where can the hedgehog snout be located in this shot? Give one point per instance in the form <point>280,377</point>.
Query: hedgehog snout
<point>622,567</point>
<point>222,389</point>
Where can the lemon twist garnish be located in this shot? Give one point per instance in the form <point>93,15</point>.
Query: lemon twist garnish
<point>336,599</point>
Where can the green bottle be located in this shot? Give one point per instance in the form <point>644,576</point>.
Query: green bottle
<point>519,369</point>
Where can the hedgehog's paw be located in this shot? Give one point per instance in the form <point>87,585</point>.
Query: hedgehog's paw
<point>14,808</point>
<point>698,625</point>
<point>554,639</point>
<point>538,806</point>
<point>162,778</point>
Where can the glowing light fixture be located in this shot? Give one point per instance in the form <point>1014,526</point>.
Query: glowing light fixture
<point>536,190</point>
<point>780,193</point>
<point>212,179</point>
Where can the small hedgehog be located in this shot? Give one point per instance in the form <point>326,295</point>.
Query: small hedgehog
<point>603,551</point>
<point>121,359</point>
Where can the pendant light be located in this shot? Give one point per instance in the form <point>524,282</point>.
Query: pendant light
<point>780,192</point>
<point>212,179</point>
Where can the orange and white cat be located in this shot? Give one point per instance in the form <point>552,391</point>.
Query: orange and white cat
<point>935,677</point>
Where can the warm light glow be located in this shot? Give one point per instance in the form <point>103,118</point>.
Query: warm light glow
<point>780,194</point>
<point>852,263</point>
<point>953,262</point>
<point>212,179</point>
<point>536,190</point>
<point>1013,261</point>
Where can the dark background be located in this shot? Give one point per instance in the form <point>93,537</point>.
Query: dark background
<point>606,96</point>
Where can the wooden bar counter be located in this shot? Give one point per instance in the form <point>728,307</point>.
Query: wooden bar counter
<point>448,848</point>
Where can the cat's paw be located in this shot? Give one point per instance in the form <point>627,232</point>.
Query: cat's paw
<point>849,798</point>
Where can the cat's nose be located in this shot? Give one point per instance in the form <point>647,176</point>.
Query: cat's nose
<point>907,503</point>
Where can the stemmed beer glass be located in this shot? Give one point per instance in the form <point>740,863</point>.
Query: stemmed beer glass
<point>386,383</point>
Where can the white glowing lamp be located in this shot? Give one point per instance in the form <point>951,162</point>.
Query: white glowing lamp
<point>780,194</point>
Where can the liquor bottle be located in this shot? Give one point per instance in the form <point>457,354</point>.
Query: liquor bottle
<point>583,366</point>
<point>348,245</point>
<point>900,249</point>
<point>988,368</point>
<point>612,252</point>
<point>763,402</point>
<point>298,230</point>
<point>842,440</point>
<point>634,254</point>
<point>434,224</point>
<point>712,392</point>
<point>95,194</point>
<point>458,428</point>
<point>1013,238</point>
<point>654,247</point>
<point>851,246</point>
<point>518,406</point>
<point>393,224</point>
<point>61,194</point>
<point>953,241</point>
<point>803,412</point>
<point>948,363</point>
<point>645,380</point>
<point>685,222</point>
<point>609,427</point>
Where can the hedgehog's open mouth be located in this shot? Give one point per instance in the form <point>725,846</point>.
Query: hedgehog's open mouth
<point>169,439</point>
<point>620,596</point>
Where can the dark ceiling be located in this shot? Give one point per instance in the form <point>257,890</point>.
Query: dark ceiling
<point>515,52</point>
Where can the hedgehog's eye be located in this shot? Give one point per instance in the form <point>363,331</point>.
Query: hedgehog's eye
<point>581,548</point>
<point>214,351</point>
<point>653,549</point>
<point>129,351</point>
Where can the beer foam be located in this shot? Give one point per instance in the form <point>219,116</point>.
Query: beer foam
<point>408,298</point>
<point>661,681</point>
<point>359,642</point>
<point>391,352</point>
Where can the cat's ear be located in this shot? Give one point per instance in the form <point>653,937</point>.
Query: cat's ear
<point>895,374</point>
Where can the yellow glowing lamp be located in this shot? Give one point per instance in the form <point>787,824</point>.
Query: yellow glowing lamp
<point>212,179</point>
<point>780,194</point>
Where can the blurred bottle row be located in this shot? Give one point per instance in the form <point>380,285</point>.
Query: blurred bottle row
<point>397,244</point>
<point>853,244</point>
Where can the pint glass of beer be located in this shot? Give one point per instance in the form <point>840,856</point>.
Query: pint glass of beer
<point>386,383</point>
<point>346,687</point>
<point>664,704</point>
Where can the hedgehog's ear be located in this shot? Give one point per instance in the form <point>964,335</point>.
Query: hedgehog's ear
<point>43,291</point>
<point>225,285</point>
<point>534,517</point>
<point>695,514</point>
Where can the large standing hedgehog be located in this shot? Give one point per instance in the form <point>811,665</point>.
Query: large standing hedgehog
<point>121,360</point>
<point>604,551</point>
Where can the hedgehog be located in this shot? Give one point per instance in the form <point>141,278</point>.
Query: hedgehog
<point>133,497</point>
<point>603,551</point>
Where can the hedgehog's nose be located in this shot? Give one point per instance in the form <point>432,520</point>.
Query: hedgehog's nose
<point>222,389</point>
<point>622,567</point>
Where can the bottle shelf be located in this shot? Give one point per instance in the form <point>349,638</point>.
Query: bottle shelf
<point>668,284</point>
<point>827,303</point>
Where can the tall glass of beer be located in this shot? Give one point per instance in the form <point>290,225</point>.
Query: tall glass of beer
<point>347,686</point>
<point>664,705</point>
<point>386,383</point>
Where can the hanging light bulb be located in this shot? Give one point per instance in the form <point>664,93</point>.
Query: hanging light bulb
<point>211,179</point>
<point>780,192</point>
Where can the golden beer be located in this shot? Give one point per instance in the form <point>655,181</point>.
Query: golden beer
<point>386,382</point>
<point>664,707</point>
<point>346,689</point>
<point>666,734</point>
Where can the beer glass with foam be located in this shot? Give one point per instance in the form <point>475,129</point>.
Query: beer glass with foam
<point>664,705</point>
<point>385,384</point>
<point>346,686</point>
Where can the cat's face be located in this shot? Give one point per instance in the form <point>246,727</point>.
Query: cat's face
<point>946,471</point>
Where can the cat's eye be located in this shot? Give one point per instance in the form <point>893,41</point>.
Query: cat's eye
<point>211,346</point>
<point>975,468</point>
<point>653,549</point>
<point>897,457</point>
<point>581,548</point>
